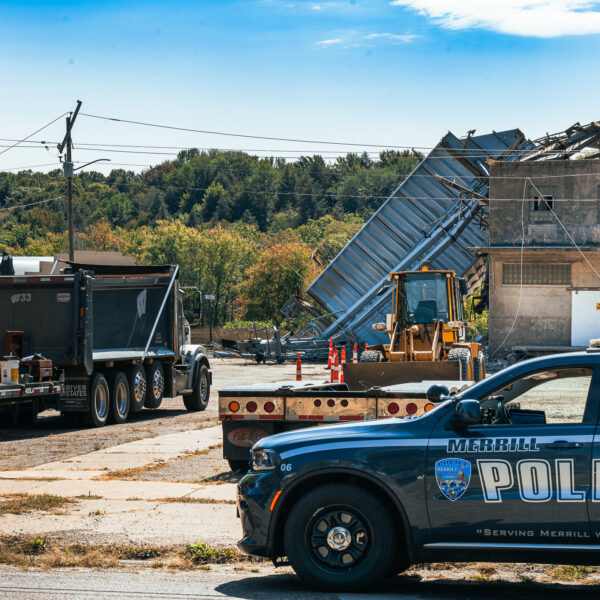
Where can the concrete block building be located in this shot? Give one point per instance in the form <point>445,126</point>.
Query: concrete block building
<point>544,254</point>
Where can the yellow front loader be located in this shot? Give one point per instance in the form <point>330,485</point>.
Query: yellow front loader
<point>426,328</point>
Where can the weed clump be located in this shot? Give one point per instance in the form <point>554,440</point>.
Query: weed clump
<point>200,553</point>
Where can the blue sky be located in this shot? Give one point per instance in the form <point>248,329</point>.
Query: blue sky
<point>399,72</point>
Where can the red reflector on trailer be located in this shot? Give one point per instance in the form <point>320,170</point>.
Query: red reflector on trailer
<point>317,403</point>
<point>344,403</point>
<point>393,408</point>
<point>411,408</point>
<point>251,406</point>
<point>269,407</point>
<point>330,403</point>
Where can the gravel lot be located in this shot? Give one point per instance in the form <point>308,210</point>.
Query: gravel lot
<point>51,440</point>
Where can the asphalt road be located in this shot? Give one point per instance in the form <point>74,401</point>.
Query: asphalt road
<point>224,582</point>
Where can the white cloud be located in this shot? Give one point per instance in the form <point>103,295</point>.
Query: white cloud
<point>405,38</point>
<point>532,18</point>
<point>317,7</point>
<point>325,43</point>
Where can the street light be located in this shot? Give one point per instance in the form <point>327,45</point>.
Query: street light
<point>68,171</point>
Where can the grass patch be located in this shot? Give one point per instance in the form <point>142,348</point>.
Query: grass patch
<point>186,500</point>
<point>202,554</point>
<point>572,572</point>
<point>18,504</point>
<point>39,552</point>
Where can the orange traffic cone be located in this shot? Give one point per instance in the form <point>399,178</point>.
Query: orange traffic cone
<point>330,358</point>
<point>343,354</point>
<point>342,364</point>
<point>298,368</point>
<point>355,354</point>
<point>335,369</point>
<point>332,372</point>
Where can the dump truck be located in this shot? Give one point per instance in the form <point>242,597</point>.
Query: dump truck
<point>118,333</point>
<point>250,412</point>
<point>426,329</point>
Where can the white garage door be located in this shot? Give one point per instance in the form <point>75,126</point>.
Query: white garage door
<point>585,317</point>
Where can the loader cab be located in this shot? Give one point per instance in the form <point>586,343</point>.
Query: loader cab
<point>426,296</point>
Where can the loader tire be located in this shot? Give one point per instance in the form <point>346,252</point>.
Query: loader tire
<point>371,356</point>
<point>479,367</point>
<point>463,355</point>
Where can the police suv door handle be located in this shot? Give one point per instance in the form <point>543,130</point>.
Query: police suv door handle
<point>564,445</point>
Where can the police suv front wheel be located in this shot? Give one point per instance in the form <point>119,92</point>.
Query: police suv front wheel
<point>339,537</point>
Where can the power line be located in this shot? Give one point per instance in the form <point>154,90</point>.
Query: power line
<point>32,134</point>
<point>24,168</point>
<point>240,135</point>
<point>475,153</point>
<point>484,151</point>
<point>31,203</point>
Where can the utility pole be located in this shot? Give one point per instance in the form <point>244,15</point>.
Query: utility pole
<point>68,172</point>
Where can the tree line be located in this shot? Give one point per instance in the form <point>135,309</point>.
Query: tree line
<point>248,230</point>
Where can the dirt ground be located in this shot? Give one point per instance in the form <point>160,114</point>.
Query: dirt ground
<point>52,440</point>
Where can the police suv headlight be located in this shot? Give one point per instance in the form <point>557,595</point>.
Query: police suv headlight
<point>265,459</point>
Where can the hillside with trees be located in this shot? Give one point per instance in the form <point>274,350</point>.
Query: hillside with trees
<point>251,231</point>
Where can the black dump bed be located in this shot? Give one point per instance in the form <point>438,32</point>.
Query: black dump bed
<point>125,311</point>
<point>45,308</point>
<point>93,314</point>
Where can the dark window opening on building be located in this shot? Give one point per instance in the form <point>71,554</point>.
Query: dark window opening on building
<point>536,274</point>
<point>543,203</point>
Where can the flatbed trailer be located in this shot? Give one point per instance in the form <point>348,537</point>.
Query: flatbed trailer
<point>249,413</point>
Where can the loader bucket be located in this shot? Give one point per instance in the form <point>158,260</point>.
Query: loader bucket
<point>363,376</point>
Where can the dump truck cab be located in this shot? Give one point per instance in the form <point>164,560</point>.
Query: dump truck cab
<point>427,322</point>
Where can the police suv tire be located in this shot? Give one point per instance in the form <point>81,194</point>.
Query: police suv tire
<point>371,356</point>
<point>479,367</point>
<point>136,377</point>
<point>198,399</point>
<point>375,561</point>
<point>97,415</point>
<point>463,355</point>
<point>155,385</point>
<point>120,398</point>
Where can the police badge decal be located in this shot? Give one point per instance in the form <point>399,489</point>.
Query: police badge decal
<point>453,476</point>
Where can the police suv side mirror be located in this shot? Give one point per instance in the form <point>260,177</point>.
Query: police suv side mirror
<point>436,393</point>
<point>468,412</point>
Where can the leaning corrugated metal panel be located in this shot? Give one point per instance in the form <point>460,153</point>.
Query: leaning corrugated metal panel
<point>394,238</point>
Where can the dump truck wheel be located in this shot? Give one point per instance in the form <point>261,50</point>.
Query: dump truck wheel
<point>463,355</point>
<point>155,386</point>
<point>136,376</point>
<point>198,399</point>
<point>99,402</point>
<point>370,356</point>
<point>479,367</point>
<point>120,398</point>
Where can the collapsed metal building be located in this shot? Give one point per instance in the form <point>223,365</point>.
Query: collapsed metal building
<point>436,214</point>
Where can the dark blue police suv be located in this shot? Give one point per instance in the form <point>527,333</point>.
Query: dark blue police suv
<point>507,471</point>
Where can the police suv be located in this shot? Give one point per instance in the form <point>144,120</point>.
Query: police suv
<point>509,470</point>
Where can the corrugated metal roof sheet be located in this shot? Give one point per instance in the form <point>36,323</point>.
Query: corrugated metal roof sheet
<point>423,219</point>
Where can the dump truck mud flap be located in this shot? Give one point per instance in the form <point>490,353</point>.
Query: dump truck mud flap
<point>364,376</point>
